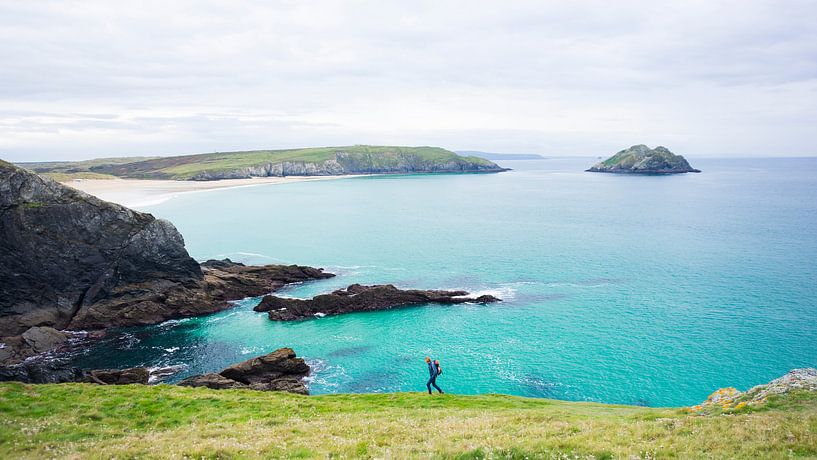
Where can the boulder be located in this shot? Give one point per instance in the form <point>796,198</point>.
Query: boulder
<point>42,339</point>
<point>360,298</point>
<point>213,381</point>
<point>280,370</point>
<point>132,376</point>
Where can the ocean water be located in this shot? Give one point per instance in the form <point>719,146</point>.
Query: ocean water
<point>621,289</point>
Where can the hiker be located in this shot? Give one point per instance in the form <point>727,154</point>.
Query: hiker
<point>433,371</point>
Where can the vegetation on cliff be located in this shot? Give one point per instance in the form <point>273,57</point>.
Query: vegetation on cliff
<point>640,159</point>
<point>358,159</point>
<point>135,421</point>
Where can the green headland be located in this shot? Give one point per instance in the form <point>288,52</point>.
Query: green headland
<point>316,161</point>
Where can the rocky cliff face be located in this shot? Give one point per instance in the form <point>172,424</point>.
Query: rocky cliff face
<point>354,163</point>
<point>62,250</point>
<point>640,159</point>
<point>71,261</point>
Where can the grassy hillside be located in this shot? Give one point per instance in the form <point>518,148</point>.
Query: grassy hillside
<point>191,166</point>
<point>79,420</point>
<point>65,176</point>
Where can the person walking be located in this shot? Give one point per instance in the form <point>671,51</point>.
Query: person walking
<point>433,371</point>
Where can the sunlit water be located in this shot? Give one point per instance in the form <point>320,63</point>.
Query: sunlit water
<point>643,290</point>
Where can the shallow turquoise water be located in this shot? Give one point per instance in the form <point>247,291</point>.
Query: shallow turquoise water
<point>621,289</point>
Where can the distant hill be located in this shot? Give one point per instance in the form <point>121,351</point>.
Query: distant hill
<point>317,161</point>
<point>640,159</point>
<point>501,156</point>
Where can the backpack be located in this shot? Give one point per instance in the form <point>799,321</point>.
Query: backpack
<point>439,369</point>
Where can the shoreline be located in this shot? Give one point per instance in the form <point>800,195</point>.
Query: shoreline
<point>135,193</point>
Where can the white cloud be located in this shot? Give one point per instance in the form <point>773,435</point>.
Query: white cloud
<point>87,79</point>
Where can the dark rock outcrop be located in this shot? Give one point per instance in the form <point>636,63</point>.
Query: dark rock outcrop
<point>640,159</point>
<point>360,298</point>
<point>71,261</point>
<point>132,376</point>
<point>280,370</point>
<point>213,381</point>
<point>160,300</point>
<point>62,371</point>
<point>55,371</point>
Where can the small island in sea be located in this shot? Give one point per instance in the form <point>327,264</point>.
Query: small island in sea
<point>640,159</point>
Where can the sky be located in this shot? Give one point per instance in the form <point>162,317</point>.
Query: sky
<point>93,79</point>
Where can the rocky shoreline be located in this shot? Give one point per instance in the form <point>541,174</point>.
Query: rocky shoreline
<point>71,261</point>
<point>280,370</point>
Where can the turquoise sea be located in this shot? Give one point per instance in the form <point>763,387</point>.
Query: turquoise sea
<point>622,289</point>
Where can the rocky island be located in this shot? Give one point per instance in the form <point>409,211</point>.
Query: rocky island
<point>318,161</point>
<point>640,159</point>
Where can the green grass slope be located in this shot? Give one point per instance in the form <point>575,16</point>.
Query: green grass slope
<point>192,166</point>
<point>90,421</point>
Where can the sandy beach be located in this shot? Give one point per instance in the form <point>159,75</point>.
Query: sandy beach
<point>135,193</point>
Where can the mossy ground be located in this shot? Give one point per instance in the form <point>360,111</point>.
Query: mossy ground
<point>89,421</point>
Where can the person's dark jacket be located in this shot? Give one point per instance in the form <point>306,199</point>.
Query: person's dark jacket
<point>432,369</point>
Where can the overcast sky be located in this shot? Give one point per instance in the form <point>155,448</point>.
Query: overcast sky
<point>90,79</point>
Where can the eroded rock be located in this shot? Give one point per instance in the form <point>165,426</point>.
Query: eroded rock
<point>280,370</point>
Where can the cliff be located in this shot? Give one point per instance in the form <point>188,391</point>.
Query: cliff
<point>640,159</point>
<point>71,261</point>
<point>320,161</point>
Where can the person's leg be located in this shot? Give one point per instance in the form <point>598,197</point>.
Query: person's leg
<point>428,384</point>
<point>434,382</point>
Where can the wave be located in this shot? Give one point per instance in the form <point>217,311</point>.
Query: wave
<point>157,374</point>
<point>324,374</point>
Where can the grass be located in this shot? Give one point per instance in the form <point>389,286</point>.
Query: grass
<point>88,421</point>
<point>67,177</point>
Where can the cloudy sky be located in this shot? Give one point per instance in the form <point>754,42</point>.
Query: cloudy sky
<point>89,79</point>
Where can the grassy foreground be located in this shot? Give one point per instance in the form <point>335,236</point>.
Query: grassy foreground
<point>90,421</point>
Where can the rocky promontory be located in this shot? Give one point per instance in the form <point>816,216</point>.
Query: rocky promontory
<point>356,298</point>
<point>640,159</point>
<point>71,261</point>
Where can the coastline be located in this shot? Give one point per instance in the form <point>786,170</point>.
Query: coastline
<point>134,193</point>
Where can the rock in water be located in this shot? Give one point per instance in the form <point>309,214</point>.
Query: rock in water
<point>640,159</point>
<point>132,376</point>
<point>280,370</point>
<point>360,298</point>
<point>71,261</point>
